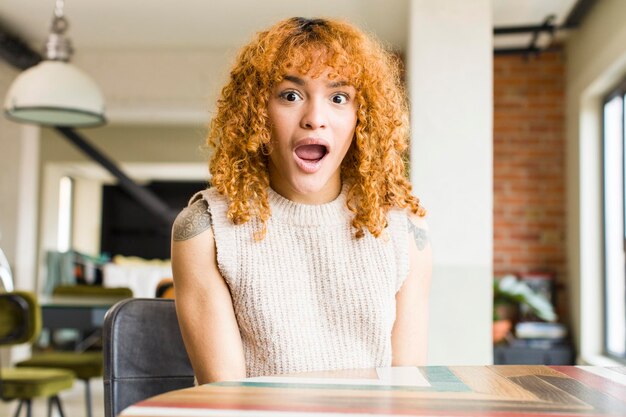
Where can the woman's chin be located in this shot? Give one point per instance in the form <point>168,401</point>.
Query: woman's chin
<point>314,188</point>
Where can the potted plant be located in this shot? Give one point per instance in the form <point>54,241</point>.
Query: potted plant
<point>508,294</point>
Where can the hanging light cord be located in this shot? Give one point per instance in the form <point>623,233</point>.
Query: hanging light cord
<point>58,47</point>
<point>58,8</point>
<point>59,23</point>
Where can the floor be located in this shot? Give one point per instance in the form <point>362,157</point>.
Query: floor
<point>73,402</point>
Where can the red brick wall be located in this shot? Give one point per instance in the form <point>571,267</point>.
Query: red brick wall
<point>529,164</point>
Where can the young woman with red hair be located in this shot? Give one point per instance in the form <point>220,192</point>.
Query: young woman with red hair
<point>309,251</point>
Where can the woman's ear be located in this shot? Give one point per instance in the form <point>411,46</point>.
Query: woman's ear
<point>266,149</point>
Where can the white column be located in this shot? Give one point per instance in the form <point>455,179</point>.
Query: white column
<point>19,177</point>
<point>450,84</point>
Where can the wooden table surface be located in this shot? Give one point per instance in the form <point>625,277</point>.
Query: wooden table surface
<point>500,390</point>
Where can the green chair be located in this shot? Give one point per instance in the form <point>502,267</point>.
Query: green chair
<point>92,291</point>
<point>20,322</point>
<point>85,365</point>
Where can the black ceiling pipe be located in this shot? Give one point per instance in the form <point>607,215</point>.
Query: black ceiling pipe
<point>512,30</point>
<point>15,52</point>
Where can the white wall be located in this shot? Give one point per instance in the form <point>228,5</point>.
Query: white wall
<point>156,87</point>
<point>10,148</point>
<point>19,160</point>
<point>87,209</point>
<point>450,83</point>
<point>596,61</point>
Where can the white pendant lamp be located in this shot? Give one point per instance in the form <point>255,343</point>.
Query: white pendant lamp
<point>55,92</point>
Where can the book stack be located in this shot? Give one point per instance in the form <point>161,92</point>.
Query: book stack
<point>539,334</point>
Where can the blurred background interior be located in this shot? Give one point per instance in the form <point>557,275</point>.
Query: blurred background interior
<point>517,144</point>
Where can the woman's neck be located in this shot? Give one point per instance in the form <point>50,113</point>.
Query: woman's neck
<point>323,195</point>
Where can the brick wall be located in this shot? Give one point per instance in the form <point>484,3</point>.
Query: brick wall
<point>529,165</point>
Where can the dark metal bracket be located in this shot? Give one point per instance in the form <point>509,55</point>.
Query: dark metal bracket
<point>580,10</point>
<point>532,48</point>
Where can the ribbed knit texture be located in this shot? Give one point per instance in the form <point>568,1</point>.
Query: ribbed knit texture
<point>310,296</point>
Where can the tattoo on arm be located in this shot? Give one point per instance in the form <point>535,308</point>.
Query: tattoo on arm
<point>192,221</point>
<point>419,235</point>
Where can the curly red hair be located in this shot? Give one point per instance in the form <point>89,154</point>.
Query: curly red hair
<point>374,167</point>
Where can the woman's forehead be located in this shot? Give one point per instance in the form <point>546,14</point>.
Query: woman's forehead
<point>318,65</point>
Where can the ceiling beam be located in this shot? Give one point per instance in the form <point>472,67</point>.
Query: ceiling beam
<point>15,52</point>
<point>142,195</point>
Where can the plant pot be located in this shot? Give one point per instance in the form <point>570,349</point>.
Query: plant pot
<point>500,329</point>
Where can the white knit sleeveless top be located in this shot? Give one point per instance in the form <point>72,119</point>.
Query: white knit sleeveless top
<point>310,296</point>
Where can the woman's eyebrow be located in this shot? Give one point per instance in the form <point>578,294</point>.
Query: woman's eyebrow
<point>336,84</point>
<point>295,80</point>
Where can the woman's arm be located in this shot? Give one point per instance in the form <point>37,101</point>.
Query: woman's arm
<point>409,337</point>
<point>203,302</point>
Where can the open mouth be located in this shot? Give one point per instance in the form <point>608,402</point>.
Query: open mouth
<point>310,156</point>
<point>311,153</point>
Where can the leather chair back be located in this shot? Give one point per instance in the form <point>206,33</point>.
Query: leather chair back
<point>144,354</point>
<point>20,318</point>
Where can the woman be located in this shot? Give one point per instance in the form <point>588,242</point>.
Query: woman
<point>309,252</point>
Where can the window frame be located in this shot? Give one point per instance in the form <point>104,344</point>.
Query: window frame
<point>619,90</point>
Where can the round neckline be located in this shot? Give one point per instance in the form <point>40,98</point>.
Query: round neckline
<point>288,211</point>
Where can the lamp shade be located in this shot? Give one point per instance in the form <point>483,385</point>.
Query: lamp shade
<point>55,93</point>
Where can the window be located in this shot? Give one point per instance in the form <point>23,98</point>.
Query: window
<point>128,229</point>
<point>66,196</point>
<point>614,173</point>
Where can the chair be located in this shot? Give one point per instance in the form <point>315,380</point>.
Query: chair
<point>85,365</point>
<point>20,322</point>
<point>80,290</point>
<point>144,354</point>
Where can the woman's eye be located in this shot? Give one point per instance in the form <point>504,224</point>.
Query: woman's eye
<point>339,99</point>
<point>290,96</point>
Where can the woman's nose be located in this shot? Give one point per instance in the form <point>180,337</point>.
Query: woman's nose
<point>314,116</point>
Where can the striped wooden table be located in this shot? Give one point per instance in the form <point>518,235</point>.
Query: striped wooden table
<point>503,391</point>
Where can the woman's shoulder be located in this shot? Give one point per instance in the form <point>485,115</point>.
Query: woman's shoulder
<point>192,220</point>
<point>408,216</point>
<point>418,220</point>
<point>413,224</point>
<point>418,229</point>
<point>208,195</point>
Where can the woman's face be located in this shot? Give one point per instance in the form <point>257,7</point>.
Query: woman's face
<point>312,126</point>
